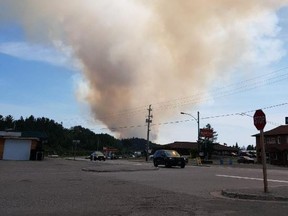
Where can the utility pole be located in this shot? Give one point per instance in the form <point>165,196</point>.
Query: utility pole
<point>148,121</point>
<point>198,123</point>
<point>198,138</point>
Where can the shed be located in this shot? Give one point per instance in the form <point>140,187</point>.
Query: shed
<point>15,147</point>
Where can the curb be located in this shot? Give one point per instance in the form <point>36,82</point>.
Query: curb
<point>117,169</point>
<point>251,196</point>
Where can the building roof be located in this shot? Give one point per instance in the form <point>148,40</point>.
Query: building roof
<point>183,145</point>
<point>20,138</point>
<point>9,134</point>
<point>194,145</point>
<point>220,147</point>
<point>281,130</point>
<point>23,135</point>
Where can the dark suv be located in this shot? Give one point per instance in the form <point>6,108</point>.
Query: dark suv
<point>168,158</point>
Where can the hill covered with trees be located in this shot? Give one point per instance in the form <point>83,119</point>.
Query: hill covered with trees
<point>58,139</point>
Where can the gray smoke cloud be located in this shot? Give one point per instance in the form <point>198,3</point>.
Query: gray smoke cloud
<point>136,53</point>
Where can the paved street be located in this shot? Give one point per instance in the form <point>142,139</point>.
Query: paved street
<point>82,187</point>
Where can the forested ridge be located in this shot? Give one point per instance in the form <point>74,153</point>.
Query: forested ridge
<point>59,140</point>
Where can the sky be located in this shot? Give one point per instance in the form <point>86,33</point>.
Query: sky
<point>100,64</point>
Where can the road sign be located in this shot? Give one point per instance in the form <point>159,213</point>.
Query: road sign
<point>260,122</point>
<point>259,119</point>
<point>206,132</point>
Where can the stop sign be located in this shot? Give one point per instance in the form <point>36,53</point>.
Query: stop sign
<point>259,119</point>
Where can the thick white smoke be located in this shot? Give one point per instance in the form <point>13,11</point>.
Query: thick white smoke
<point>135,53</point>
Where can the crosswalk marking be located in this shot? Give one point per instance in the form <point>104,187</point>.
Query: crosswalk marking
<point>250,178</point>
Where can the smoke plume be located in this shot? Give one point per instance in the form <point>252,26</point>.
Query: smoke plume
<point>141,52</point>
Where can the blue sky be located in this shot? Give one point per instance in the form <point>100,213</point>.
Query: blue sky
<point>36,79</point>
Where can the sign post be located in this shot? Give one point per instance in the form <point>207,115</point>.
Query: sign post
<point>207,133</point>
<point>75,142</point>
<point>260,122</point>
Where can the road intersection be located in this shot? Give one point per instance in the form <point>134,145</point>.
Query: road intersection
<point>121,187</point>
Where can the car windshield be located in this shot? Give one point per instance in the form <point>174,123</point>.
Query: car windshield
<point>98,153</point>
<point>172,154</point>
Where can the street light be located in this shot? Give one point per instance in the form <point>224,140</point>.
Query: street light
<point>197,120</point>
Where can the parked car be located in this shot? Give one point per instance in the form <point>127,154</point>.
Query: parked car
<point>113,156</point>
<point>97,155</point>
<point>168,158</point>
<point>245,159</point>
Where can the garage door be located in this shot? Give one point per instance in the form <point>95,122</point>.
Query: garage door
<point>17,149</point>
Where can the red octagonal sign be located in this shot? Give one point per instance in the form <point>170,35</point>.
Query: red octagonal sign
<point>259,119</point>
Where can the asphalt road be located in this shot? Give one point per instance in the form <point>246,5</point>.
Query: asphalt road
<point>62,187</point>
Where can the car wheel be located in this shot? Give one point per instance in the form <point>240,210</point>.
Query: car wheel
<point>182,165</point>
<point>155,164</point>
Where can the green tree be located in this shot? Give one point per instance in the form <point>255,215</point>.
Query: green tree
<point>2,123</point>
<point>9,122</point>
<point>250,147</point>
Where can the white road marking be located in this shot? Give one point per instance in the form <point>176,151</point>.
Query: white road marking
<point>249,178</point>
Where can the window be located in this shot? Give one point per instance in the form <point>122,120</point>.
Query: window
<point>278,140</point>
<point>270,140</point>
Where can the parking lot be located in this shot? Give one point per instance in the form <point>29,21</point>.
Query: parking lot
<point>120,187</point>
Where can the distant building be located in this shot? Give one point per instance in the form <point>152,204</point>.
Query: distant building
<point>276,145</point>
<point>185,148</point>
<point>109,152</point>
<point>16,146</point>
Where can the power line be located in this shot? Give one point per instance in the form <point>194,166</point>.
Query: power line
<point>269,122</point>
<point>205,118</point>
<point>244,113</point>
<point>201,96</point>
<point>231,89</point>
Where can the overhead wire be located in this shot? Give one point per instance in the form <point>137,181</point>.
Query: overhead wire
<point>201,96</point>
<point>205,118</point>
<point>232,89</point>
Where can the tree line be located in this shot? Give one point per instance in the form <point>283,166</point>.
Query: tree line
<point>59,140</point>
